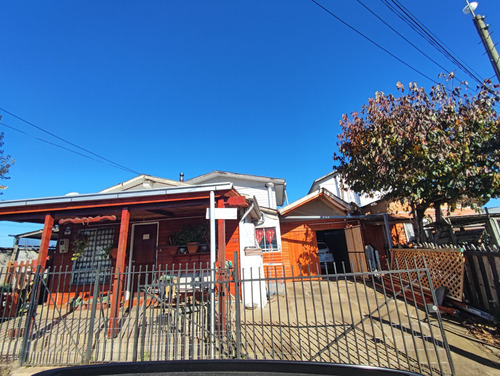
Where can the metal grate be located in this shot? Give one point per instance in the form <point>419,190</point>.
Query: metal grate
<point>94,257</point>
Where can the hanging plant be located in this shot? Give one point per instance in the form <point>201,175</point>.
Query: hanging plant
<point>80,243</point>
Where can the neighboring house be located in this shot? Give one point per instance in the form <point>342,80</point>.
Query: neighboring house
<point>26,246</point>
<point>5,257</point>
<point>320,217</point>
<point>389,223</point>
<point>335,184</point>
<point>379,228</point>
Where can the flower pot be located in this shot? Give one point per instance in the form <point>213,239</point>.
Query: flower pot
<point>192,247</point>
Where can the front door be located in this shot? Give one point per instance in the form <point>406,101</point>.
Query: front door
<point>144,247</point>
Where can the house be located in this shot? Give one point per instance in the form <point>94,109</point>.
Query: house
<point>323,217</point>
<point>388,223</point>
<point>138,220</point>
<point>334,183</point>
<point>376,227</point>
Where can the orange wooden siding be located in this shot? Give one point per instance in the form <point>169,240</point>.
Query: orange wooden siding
<point>299,248</point>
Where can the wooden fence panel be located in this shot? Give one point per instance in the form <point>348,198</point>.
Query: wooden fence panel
<point>482,279</point>
<point>446,267</point>
<point>470,273</point>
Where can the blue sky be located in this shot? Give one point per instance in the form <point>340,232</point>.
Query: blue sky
<point>163,87</point>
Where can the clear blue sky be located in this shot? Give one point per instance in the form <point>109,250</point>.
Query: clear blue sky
<point>163,87</point>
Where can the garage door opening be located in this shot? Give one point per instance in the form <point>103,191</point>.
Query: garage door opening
<point>335,240</point>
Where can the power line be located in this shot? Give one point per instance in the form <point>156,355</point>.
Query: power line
<point>50,143</point>
<point>412,21</point>
<point>373,42</point>
<point>445,70</point>
<point>70,143</point>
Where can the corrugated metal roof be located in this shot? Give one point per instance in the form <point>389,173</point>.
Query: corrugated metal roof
<point>118,195</point>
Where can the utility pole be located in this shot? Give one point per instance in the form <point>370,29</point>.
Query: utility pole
<point>482,29</point>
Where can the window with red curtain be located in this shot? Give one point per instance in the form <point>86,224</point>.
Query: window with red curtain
<point>266,238</point>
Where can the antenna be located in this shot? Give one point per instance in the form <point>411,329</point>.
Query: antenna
<point>470,8</point>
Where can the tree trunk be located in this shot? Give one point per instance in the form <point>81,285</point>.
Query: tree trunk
<point>418,224</point>
<point>440,226</point>
<point>437,210</point>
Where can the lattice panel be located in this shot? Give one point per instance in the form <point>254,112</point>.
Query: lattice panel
<point>446,267</point>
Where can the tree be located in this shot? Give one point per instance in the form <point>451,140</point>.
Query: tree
<point>5,162</point>
<point>424,149</point>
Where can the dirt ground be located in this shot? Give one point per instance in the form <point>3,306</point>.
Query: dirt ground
<point>473,353</point>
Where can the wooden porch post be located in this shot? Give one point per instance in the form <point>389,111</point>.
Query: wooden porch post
<point>221,258</point>
<point>45,241</point>
<point>221,237</point>
<point>119,275</point>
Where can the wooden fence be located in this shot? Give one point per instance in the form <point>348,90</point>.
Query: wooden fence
<point>446,267</point>
<point>482,282</point>
<point>470,273</point>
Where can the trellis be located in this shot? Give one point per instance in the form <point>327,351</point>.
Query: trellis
<point>446,267</point>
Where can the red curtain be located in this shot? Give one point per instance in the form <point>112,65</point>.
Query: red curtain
<point>270,232</point>
<point>259,234</point>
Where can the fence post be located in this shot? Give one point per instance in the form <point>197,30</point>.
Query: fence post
<point>95,294</point>
<point>30,315</point>
<point>237,307</point>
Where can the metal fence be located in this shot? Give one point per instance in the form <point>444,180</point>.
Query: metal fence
<point>193,312</point>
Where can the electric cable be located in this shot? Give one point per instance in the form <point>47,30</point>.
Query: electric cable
<point>412,21</point>
<point>51,143</point>
<point>373,42</point>
<point>70,143</point>
<point>445,70</point>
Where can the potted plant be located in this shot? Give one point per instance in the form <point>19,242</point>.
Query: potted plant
<point>80,243</point>
<point>110,251</point>
<point>190,236</point>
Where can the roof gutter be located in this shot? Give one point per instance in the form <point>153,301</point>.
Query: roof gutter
<point>121,195</point>
<point>343,217</point>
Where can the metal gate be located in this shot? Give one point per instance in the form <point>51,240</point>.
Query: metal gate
<point>372,318</point>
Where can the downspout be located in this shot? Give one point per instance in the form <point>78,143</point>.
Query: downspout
<point>247,212</point>
<point>270,187</point>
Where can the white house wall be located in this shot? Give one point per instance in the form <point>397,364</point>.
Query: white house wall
<point>248,188</point>
<point>252,270</point>
<point>333,184</point>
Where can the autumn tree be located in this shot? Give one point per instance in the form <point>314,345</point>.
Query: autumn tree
<point>424,148</point>
<point>5,162</point>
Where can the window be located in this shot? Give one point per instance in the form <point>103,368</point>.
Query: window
<point>266,237</point>
<point>93,257</point>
